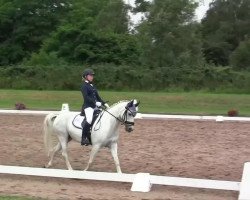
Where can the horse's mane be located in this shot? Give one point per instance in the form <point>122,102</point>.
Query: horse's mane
<point>122,101</point>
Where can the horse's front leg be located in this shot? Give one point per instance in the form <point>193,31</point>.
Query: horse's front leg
<point>113,149</point>
<point>64,144</point>
<point>94,150</point>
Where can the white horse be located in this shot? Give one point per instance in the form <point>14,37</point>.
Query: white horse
<point>104,131</point>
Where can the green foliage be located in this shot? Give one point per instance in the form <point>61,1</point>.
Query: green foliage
<point>94,37</point>
<point>40,77</point>
<point>168,37</point>
<point>226,24</point>
<point>44,59</point>
<point>83,46</point>
<point>141,6</point>
<point>24,24</point>
<point>113,18</point>
<point>240,58</point>
<point>46,44</point>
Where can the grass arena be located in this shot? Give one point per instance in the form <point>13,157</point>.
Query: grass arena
<point>183,148</point>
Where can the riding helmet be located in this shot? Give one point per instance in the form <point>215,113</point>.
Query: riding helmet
<point>87,72</point>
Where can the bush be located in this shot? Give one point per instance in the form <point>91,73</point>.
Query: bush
<point>232,113</point>
<point>125,77</point>
<point>20,106</point>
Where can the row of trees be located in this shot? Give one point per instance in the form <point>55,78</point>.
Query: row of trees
<point>226,34</point>
<point>42,41</point>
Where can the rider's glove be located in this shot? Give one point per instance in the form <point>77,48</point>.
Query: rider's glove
<point>106,105</point>
<point>98,104</point>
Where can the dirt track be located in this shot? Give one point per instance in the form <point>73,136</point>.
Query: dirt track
<point>195,149</point>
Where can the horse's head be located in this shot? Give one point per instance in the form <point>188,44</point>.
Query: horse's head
<point>131,110</point>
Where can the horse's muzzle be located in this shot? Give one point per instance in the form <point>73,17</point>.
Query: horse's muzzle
<point>129,128</point>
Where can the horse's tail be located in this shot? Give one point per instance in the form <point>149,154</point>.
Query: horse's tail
<point>48,131</point>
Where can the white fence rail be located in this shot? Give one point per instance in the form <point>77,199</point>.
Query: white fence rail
<point>139,185</point>
<point>195,183</point>
<point>139,115</point>
<point>72,174</point>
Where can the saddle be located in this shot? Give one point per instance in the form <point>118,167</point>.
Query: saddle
<point>78,119</point>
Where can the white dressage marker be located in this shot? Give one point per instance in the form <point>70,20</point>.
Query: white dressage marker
<point>219,119</point>
<point>65,107</point>
<point>141,183</point>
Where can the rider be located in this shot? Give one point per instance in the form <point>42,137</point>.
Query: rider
<point>92,100</point>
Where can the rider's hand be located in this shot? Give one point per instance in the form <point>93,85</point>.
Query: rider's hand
<point>98,104</point>
<point>106,105</point>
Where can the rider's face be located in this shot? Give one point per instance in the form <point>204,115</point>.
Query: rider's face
<point>90,77</point>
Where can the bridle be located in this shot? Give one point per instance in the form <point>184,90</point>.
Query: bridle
<point>124,116</point>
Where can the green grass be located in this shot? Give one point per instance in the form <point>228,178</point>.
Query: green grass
<point>151,102</point>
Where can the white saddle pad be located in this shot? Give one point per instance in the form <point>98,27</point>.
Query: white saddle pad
<point>77,121</point>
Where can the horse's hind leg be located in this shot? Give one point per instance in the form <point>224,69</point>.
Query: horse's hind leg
<point>115,156</point>
<point>52,154</point>
<point>93,153</point>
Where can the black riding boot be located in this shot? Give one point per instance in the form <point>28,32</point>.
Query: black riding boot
<point>85,133</point>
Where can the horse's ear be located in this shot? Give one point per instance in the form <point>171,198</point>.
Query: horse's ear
<point>137,104</point>
<point>130,104</point>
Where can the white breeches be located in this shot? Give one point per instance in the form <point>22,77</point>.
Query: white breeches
<point>89,114</point>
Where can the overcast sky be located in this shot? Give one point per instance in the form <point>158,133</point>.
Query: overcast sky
<point>200,11</point>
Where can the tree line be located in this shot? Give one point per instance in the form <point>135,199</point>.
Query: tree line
<point>46,44</point>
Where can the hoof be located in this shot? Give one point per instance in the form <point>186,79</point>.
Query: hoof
<point>47,166</point>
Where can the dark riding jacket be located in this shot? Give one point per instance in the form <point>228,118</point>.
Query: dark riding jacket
<point>90,95</point>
